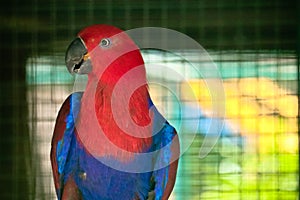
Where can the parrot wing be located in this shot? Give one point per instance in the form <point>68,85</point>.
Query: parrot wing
<point>164,178</point>
<point>62,136</point>
<point>166,144</point>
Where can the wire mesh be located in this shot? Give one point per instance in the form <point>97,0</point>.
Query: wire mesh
<point>257,157</point>
<point>253,45</point>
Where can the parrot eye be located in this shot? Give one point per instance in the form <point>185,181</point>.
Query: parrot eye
<point>105,42</point>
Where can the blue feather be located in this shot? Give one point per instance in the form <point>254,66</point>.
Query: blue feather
<point>63,145</point>
<point>95,180</point>
<point>163,159</point>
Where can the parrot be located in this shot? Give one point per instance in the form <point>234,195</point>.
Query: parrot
<point>110,141</point>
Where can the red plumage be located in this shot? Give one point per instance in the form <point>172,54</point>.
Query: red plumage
<point>114,121</point>
<point>109,66</point>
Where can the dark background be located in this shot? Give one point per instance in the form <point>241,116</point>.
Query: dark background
<point>34,28</point>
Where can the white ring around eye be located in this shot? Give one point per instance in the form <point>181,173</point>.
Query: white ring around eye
<point>105,42</point>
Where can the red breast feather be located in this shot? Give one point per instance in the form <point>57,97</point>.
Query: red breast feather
<point>109,65</point>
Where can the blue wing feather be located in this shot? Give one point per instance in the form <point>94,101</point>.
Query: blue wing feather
<point>95,180</point>
<point>163,160</point>
<point>63,145</point>
<point>163,135</point>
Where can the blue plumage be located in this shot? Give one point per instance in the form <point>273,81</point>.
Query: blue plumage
<point>95,180</point>
<point>63,145</point>
<point>99,158</point>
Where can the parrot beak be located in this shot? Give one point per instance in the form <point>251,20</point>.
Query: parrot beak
<point>77,58</point>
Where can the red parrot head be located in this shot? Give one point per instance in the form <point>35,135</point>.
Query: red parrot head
<point>112,62</point>
<point>103,51</point>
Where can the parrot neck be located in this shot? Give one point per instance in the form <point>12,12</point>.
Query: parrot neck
<point>115,107</point>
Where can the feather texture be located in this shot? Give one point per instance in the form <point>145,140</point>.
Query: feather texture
<point>91,131</point>
<point>95,180</point>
